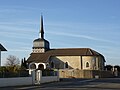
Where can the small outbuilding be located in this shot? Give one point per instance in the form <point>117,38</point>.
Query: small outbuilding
<point>1,49</point>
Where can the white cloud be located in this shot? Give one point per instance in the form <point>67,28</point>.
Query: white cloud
<point>80,36</point>
<point>18,22</point>
<point>15,35</point>
<point>19,50</point>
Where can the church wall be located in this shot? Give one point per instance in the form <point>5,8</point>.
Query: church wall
<point>91,60</point>
<point>73,61</point>
<point>38,44</point>
<point>57,63</point>
<point>97,63</point>
<point>101,63</point>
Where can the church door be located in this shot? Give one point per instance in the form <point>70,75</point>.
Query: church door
<point>41,67</point>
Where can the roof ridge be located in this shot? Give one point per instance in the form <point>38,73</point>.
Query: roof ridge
<point>69,48</point>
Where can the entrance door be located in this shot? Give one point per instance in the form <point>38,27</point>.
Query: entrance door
<point>40,67</point>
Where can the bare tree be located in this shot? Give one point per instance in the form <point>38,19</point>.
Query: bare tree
<point>12,61</point>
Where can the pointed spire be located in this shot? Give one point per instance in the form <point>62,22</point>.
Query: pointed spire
<point>42,29</point>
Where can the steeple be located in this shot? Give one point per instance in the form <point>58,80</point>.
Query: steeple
<point>41,45</point>
<point>41,33</point>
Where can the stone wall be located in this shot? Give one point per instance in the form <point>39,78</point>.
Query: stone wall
<point>84,74</point>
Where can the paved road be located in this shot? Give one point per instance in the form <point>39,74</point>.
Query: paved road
<point>74,84</point>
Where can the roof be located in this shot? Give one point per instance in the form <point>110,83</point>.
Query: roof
<point>40,39</point>
<point>43,57</point>
<point>2,48</point>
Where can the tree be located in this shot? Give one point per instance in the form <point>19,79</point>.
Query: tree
<point>13,68</point>
<point>24,64</point>
<point>108,67</point>
<point>12,61</point>
<point>118,67</point>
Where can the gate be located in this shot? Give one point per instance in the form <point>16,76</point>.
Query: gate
<point>38,78</point>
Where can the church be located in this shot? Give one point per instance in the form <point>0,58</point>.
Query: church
<point>44,57</point>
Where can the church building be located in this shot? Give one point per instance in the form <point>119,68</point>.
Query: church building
<point>44,57</point>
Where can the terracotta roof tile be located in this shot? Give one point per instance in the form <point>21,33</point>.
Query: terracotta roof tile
<point>43,57</point>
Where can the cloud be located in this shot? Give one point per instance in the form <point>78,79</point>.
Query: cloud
<point>80,36</point>
<point>11,30</point>
<point>16,9</point>
<point>15,35</point>
<point>18,22</point>
<point>19,50</point>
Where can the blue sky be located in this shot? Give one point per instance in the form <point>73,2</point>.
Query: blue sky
<point>68,24</point>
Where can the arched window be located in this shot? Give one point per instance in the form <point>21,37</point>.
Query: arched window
<point>66,65</point>
<point>87,64</point>
<point>32,66</point>
<point>52,64</point>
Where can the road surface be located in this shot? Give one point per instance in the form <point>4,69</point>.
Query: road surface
<point>74,84</point>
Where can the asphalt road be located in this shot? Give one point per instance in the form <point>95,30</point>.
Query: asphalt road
<point>74,84</point>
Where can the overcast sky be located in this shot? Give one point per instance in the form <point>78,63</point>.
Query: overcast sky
<point>91,24</point>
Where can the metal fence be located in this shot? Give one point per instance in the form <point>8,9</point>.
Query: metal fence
<point>20,73</point>
<point>49,73</point>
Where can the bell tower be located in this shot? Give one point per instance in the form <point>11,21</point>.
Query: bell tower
<point>41,45</point>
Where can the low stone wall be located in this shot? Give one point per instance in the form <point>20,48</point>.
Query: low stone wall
<point>15,81</point>
<point>35,78</point>
<point>73,73</point>
<point>49,79</point>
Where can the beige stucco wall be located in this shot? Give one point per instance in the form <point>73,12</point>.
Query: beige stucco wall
<point>73,61</point>
<point>92,62</point>
<point>78,62</point>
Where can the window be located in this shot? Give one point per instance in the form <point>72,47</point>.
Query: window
<point>87,64</point>
<point>66,65</point>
